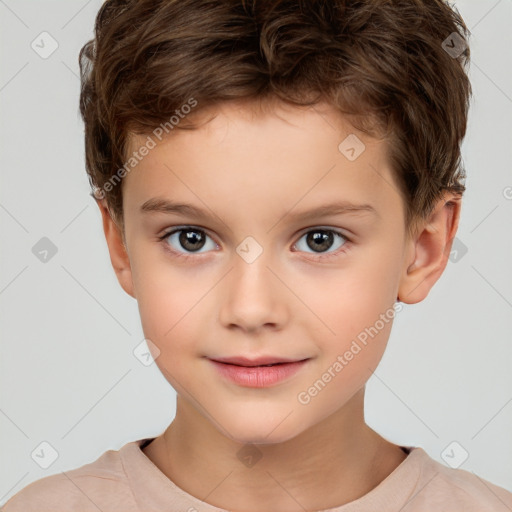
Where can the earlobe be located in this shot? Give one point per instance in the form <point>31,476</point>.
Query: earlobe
<point>116,247</point>
<point>429,250</point>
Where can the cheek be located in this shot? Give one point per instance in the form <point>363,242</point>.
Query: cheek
<point>170,302</point>
<point>169,316</point>
<point>348,359</point>
<point>356,309</point>
<point>349,299</point>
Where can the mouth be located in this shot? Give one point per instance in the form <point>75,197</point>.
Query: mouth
<point>266,361</point>
<point>258,375</point>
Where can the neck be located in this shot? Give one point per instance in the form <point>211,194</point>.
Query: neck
<point>332,463</point>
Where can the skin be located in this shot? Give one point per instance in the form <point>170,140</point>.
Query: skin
<point>252,168</point>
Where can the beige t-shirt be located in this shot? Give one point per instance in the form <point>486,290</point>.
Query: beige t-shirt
<point>126,480</point>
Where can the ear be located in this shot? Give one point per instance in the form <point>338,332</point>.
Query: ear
<point>429,250</point>
<point>117,249</point>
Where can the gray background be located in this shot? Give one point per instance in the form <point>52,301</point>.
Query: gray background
<point>68,374</point>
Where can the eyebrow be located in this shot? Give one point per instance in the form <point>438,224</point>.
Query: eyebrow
<point>161,205</point>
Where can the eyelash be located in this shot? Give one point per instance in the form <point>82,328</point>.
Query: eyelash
<point>320,256</point>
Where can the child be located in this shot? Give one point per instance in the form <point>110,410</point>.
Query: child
<point>311,151</point>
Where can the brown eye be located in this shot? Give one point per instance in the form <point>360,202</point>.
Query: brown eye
<point>191,240</point>
<point>186,240</point>
<point>321,240</point>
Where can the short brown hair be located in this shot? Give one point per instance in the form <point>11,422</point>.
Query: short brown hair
<point>385,61</point>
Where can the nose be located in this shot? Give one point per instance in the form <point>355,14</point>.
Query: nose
<point>253,297</point>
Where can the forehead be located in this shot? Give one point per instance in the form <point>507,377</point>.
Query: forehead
<point>279,155</point>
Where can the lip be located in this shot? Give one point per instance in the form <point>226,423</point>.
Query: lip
<point>258,376</point>
<point>259,361</point>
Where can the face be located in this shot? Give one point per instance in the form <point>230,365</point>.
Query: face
<point>255,274</point>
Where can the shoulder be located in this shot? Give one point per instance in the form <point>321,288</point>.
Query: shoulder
<point>99,485</point>
<point>440,487</point>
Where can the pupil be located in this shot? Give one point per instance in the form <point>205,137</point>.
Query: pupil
<point>321,240</point>
<point>189,240</point>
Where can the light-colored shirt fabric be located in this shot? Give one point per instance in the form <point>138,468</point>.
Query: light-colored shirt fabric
<point>126,480</point>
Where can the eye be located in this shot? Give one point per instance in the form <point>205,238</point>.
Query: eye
<point>189,238</point>
<point>185,241</point>
<point>322,239</point>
